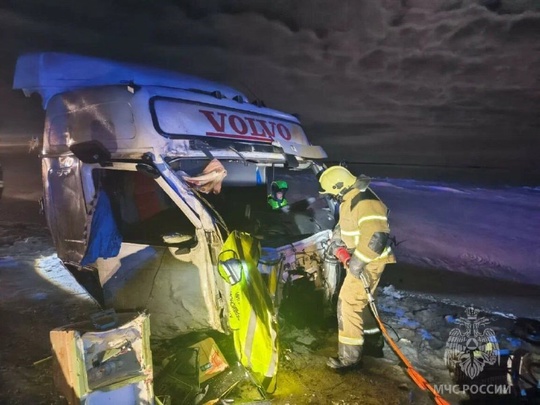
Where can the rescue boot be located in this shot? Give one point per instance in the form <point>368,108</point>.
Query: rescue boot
<point>349,357</point>
<point>373,345</point>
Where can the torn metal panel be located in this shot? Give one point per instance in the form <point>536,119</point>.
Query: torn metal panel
<point>306,255</point>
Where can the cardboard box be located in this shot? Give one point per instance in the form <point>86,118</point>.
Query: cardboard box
<point>211,361</point>
<point>196,373</point>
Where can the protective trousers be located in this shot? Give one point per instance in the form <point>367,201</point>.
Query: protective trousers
<point>353,310</point>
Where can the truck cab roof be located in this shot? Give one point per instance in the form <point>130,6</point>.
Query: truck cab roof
<point>132,107</point>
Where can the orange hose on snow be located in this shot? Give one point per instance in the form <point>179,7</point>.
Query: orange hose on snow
<point>415,376</point>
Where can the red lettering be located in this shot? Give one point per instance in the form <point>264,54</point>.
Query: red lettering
<point>218,126</point>
<point>240,126</point>
<point>253,126</point>
<point>234,120</point>
<point>284,132</point>
<point>267,132</point>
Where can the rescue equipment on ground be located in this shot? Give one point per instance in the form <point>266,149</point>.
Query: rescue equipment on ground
<point>251,312</point>
<point>518,371</point>
<point>415,376</point>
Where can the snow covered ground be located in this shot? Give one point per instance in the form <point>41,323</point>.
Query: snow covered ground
<point>488,232</point>
<point>34,283</point>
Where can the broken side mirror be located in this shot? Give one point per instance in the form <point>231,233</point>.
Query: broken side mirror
<point>91,152</point>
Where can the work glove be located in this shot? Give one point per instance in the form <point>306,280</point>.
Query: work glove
<point>357,269</point>
<point>335,242</point>
<point>336,235</point>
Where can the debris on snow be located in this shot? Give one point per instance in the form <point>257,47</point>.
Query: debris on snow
<point>392,292</point>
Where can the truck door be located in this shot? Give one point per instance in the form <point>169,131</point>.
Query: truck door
<point>165,263</point>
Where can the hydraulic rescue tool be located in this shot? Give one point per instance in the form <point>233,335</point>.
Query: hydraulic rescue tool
<point>344,257</point>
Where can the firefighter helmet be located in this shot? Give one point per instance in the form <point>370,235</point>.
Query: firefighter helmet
<point>279,185</point>
<point>335,180</point>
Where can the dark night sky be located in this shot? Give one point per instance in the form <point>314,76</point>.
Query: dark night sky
<point>435,82</point>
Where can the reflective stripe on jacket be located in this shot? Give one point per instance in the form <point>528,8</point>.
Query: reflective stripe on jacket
<point>362,217</point>
<point>277,204</point>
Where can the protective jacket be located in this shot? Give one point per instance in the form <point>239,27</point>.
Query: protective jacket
<point>275,203</point>
<point>364,225</point>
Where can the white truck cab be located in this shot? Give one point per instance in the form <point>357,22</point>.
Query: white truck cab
<point>130,136</point>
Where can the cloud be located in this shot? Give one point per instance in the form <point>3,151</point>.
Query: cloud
<point>415,80</point>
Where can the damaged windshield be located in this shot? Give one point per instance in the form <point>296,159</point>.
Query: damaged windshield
<point>244,198</point>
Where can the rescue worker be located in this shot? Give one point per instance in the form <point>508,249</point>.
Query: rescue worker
<point>361,242</point>
<point>277,199</point>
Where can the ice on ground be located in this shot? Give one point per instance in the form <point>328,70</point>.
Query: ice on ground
<point>37,253</point>
<point>392,292</point>
<point>52,270</point>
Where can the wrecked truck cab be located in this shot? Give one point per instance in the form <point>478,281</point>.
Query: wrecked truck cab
<point>121,147</point>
